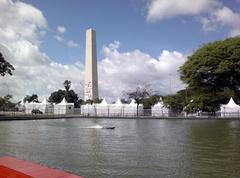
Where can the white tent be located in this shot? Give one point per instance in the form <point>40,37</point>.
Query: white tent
<point>102,109</point>
<point>88,110</point>
<point>30,106</point>
<point>64,107</point>
<point>160,110</point>
<point>21,106</point>
<point>230,110</point>
<point>140,109</point>
<point>131,109</point>
<point>45,106</point>
<point>116,109</point>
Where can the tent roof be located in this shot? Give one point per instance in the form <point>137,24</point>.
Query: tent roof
<point>104,102</point>
<point>232,104</point>
<point>118,102</point>
<point>22,102</point>
<point>64,102</point>
<point>44,101</point>
<point>133,102</point>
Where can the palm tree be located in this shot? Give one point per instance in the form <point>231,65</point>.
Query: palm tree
<point>67,85</point>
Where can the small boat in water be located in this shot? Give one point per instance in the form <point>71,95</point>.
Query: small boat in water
<point>108,128</point>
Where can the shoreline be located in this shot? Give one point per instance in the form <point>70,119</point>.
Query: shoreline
<point>49,117</point>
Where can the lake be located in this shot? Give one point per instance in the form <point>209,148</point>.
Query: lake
<point>134,149</point>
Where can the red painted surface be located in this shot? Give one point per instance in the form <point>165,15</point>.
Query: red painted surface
<point>10,167</point>
<point>6,172</point>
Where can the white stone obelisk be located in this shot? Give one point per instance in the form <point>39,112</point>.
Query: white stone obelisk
<point>91,74</point>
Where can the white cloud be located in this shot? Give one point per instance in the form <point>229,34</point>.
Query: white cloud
<point>20,20</point>
<point>223,17</point>
<point>21,27</point>
<point>61,29</point>
<point>125,71</point>
<point>212,13</point>
<point>58,38</point>
<point>114,45</point>
<point>162,9</point>
<point>72,44</point>
<point>36,73</point>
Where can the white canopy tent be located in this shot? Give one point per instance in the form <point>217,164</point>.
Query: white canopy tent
<point>88,110</point>
<point>230,110</point>
<point>64,107</point>
<point>21,106</point>
<point>131,109</point>
<point>116,109</point>
<point>160,110</point>
<point>45,106</point>
<point>102,109</point>
<point>30,106</point>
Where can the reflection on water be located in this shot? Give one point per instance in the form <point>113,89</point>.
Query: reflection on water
<point>136,148</point>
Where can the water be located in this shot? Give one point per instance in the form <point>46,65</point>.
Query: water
<point>135,149</point>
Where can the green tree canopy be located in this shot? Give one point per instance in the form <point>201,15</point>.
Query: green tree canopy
<point>150,101</point>
<point>5,67</point>
<point>139,94</point>
<point>33,97</point>
<point>70,95</point>
<point>212,74</point>
<point>177,102</point>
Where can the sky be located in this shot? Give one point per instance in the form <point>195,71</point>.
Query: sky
<point>139,42</point>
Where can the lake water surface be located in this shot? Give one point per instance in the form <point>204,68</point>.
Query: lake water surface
<point>135,149</point>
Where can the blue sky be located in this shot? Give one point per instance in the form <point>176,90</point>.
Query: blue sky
<point>124,21</point>
<point>138,42</point>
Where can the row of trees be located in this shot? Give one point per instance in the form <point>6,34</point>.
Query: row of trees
<point>57,96</point>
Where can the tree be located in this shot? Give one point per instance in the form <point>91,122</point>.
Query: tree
<point>70,95</point>
<point>67,85</point>
<point>177,102</point>
<point>57,96</point>
<point>139,94</point>
<point>5,67</point>
<point>212,74</point>
<point>29,99</point>
<point>6,104</point>
<point>150,101</point>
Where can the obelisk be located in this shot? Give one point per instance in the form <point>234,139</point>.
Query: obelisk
<point>91,74</point>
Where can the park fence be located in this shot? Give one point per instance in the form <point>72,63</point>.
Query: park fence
<point>106,113</point>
